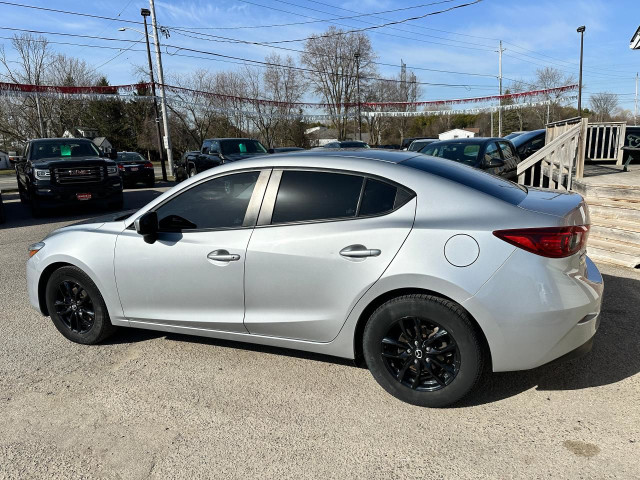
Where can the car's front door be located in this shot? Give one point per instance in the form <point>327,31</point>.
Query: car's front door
<point>323,239</point>
<point>193,274</point>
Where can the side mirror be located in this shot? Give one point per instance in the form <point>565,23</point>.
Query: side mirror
<point>271,150</point>
<point>147,226</point>
<point>491,162</point>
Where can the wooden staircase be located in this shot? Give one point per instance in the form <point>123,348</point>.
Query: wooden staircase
<point>615,223</point>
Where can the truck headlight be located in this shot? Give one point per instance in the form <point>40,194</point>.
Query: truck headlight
<point>112,170</point>
<point>42,173</point>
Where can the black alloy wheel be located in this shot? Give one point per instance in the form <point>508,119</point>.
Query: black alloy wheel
<point>424,350</point>
<point>74,307</point>
<point>420,354</point>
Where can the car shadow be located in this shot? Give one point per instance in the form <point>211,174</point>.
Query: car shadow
<point>19,214</point>
<point>613,358</point>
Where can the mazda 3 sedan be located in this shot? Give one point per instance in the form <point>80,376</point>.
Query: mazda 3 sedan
<point>430,272</point>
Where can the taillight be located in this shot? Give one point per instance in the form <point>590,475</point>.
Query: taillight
<point>148,165</point>
<point>120,167</point>
<point>553,242</point>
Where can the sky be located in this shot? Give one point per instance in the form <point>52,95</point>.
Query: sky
<point>535,34</point>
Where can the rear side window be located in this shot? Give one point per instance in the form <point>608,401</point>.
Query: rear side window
<point>378,198</point>
<point>305,196</point>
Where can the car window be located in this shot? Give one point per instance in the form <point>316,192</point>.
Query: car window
<point>218,203</point>
<point>205,146</point>
<point>492,151</point>
<point>466,153</point>
<point>63,148</point>
<point>304,196</point>
<point>507,151</point>
<point>378,198</point>
<point>230,147</point>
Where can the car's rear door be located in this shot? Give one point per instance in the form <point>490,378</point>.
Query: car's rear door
<point>193,274</point>
<point>323,238</point>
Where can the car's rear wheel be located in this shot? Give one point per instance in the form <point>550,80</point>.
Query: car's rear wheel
<point>192,172</point>
<point>151,183</point>
<point>22,193</point>
<point>423,350</point>
<point>76,307</point>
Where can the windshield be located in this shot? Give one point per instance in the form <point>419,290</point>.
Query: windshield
<point>418,144</point>
<point>230,147</point>
<point>466,153</point>
<point>64,149</point>
<point>130,157</point>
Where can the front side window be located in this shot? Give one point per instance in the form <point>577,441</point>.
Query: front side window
<point>305,196</point>
<point>218,203</point>
<point>240,146</point>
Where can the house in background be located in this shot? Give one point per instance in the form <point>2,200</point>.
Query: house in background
<point>103,144</point>
<point>81,132</point>
<point>319,136</point>
<point>459,133</point>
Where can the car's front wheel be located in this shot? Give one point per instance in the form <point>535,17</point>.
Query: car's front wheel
<point>423,350</point>
<point>76,306</point>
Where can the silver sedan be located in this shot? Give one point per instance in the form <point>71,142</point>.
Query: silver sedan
<point>429,272</point>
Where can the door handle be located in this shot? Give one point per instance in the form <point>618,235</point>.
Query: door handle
<point>359,251</point>
<point>223,256</point>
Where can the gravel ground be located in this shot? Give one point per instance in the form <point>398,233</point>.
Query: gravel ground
<point>155,405</point>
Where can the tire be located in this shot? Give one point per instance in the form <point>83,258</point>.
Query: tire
<point>85,329</point>
<point>22,194</point>
<point>118,204</point>
<point>3,217</point>
<point>36,208</point>
<point>192,172</point>
<point>422,382</point>
<point>151,183</point>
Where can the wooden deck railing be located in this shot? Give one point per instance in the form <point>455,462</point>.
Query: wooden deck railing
<point>554,165</point>
<point>605,141</point>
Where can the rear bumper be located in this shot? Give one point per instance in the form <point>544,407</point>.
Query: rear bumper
<point>534,311</point>
<point>142,175</point>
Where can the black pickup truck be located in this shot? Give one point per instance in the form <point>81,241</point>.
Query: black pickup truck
<point>62,171</point>
<point>216,151</point>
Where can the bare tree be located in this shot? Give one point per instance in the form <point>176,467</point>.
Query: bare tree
<point>23,117</point>
<point>330,57</point>
<point>604,105</point>
<point>547,78</point>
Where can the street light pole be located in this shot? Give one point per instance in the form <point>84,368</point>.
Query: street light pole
<point>163,97</point>
<point>580,30</point>
<point>145,13</point>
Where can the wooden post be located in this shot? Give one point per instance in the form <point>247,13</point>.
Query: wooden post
<point>621,137</point>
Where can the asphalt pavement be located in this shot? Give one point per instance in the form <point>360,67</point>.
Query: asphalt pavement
<point>154,405</point>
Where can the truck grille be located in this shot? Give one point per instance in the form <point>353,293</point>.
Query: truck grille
<point>73,175</point>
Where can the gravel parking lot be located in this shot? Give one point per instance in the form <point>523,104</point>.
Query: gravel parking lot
<point>155,405</point>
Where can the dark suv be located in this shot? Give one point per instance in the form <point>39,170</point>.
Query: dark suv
<point>61,171</point>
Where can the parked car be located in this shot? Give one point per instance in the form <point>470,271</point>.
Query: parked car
<point>391,146</point>
<point>428,270</point>
<point>285,149</point>
<point>513,135</point>
<point>218,151</point>
<point>5,163</point>
<point>407,141</point>
<point>418,145</point>
<point>347,144</point>
<point>3,217</point>
<point>134,169</point>
<point>181,165</point>
<point>529,143</point>
<point>14,157</point>
<point>62,171</point>
<point>494,155</point>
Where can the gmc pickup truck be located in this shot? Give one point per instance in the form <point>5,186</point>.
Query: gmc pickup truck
<point>216,151</point>
<point>62,171</point>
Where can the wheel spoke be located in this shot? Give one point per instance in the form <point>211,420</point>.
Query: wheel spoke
<point>416,381</point>
<point>439,334</point>
<point>395,343</point>
<point>395,356</point>
<point>432,373</point>
<point>447,368</point>
<point>405,331</point>
<point>404,369</point>
<point>449,348</point>
<point>418,327</point>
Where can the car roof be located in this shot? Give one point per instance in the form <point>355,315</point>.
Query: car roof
<point>473,140</point>
<point>391,156</point>
<point>62,139</point>
<point>230,138</point>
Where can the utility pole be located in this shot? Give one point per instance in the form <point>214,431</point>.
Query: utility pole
<point>635,108</point>
<point>492,122</point>
<point>145,12</point>
<point>580,30</point>
<point>39,114</point>
<point>163,97</point>
<point>500,83</point>
<point>357,57</point>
